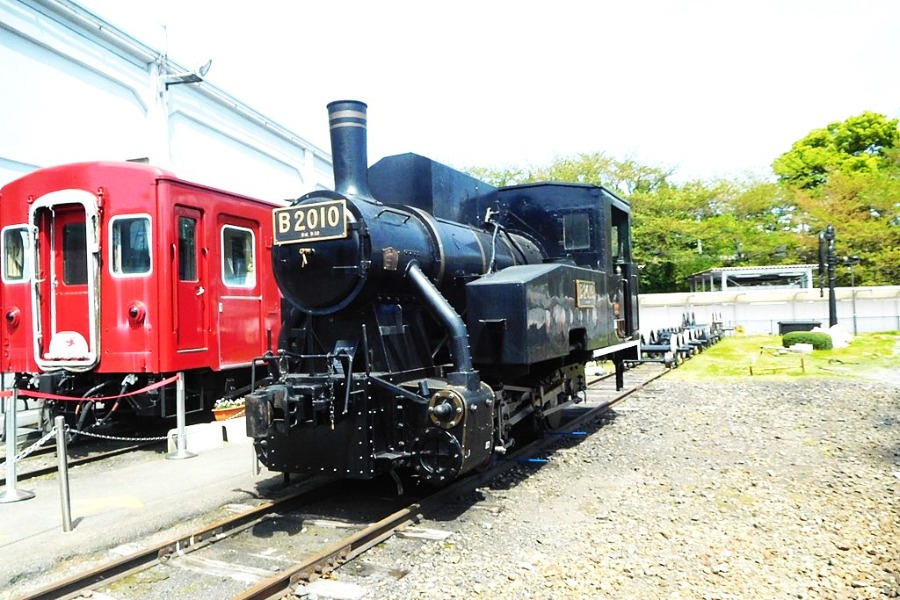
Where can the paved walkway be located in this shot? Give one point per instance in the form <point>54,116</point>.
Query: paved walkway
<point>138,498</point>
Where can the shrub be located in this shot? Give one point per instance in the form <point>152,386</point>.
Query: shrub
<point>818,339</point>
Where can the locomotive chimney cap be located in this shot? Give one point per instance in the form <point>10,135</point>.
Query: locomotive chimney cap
<point>349,152</point>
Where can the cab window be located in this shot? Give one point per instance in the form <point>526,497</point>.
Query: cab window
<point>238,257</point>
<point>130,245</point>
<point>577,231</point>
<point>14,264</point>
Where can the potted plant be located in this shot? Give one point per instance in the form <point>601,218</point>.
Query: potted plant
<point>228,408</point>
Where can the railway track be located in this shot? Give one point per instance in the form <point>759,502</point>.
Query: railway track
<point>43,461</point>
<point>266,551</point>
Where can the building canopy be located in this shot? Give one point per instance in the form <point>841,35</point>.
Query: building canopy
<point>720,279</point>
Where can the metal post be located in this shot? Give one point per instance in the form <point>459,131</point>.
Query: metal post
<point>62,457</point>
<point>254,466</point>
<point>852,261</point>
<point>12,494</point>
<point>181,440</point>
<point>831,260</point>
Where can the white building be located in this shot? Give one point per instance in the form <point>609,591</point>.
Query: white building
<point>75,88</point>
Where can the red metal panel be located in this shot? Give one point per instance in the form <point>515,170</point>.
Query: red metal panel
<point>65,293</point>
<point>15,305</point>
<point>237,321</point>
<point>239,310</point>
<point>189,279</point>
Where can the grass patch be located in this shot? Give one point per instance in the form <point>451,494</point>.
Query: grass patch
<point>867,355</point>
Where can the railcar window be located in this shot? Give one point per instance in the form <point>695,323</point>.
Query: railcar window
<point>130,245</point>
<point>577,231</point>
<point>74,254</point>
<point>187,249</point>
<point>238,257</point>
<point>14,254</point>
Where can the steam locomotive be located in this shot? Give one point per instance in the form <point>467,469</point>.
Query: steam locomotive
<point>431,319</point>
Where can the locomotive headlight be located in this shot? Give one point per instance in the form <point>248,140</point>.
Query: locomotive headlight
<point>13,316</point>
<point>137,312</point>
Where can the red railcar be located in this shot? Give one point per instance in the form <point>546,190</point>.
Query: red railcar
<point>116,275</point>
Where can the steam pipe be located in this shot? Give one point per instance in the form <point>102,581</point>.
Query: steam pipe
<point>459,335</point>
<point>347,122</point>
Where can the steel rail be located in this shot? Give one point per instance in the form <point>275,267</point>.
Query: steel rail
<point>355,544</point>
<point>73,462</point>
<point>77,585</point>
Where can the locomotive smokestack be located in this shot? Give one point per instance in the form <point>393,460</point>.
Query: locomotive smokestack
<point>347,121</point>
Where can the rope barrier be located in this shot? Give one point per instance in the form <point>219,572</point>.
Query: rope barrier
<point>45,396</point>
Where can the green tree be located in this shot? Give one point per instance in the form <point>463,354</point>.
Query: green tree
<point>681,229</point>
<point>623,176</point>
<point>846,174</point>
<point>865,211</point>
<point>860,144</point>
<point>685,229</point>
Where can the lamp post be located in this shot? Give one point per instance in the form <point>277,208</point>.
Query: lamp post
<point>827,262</point>
<point>850,262</point>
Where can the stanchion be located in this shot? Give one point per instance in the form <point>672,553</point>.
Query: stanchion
<point>12,494</point>
<point>181,441</point>
<point>254,459</point>
<point>254,465</point>
<point>62,456</point>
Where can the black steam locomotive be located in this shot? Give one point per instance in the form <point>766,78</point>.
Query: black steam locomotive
<point>432,319</point>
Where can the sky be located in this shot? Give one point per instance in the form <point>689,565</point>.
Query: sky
<point>704,88</point>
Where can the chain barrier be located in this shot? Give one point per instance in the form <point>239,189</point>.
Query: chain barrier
<point>90,434</point>
<point>116,438</point>
<point>24,453</point>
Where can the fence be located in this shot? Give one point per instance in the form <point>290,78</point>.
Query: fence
<point>758,311</point>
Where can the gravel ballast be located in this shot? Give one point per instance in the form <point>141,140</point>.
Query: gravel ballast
<point>738,488</point>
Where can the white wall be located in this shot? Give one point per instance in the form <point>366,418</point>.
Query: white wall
<point>75,88</point>
<point>859,309</point>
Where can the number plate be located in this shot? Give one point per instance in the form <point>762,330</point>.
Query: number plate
<point>313,222</point>
<point>585,293</point>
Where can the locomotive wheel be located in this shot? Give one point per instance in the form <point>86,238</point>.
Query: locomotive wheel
<point>438,456</point>
<point>552,421</point>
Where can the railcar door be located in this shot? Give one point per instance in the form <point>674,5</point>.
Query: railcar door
<point>65,296</point>
<point>190,286</point>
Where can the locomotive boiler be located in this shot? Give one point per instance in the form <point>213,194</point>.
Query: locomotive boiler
<point>431,319</point>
